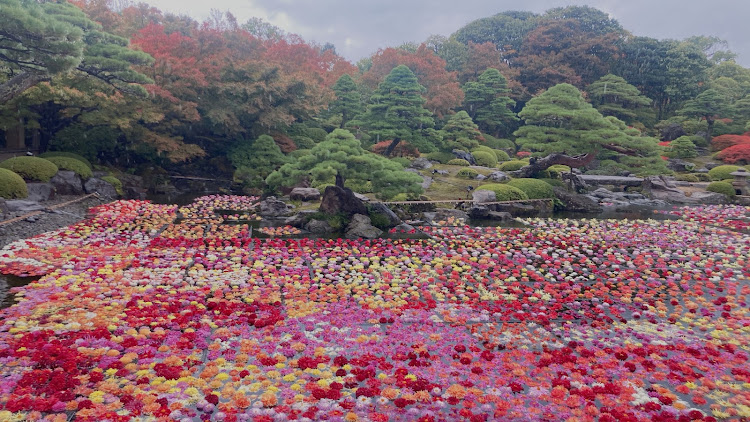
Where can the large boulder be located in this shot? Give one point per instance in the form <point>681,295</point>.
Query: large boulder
<point>676,164</point>
<point>464,156</point>
<point>300,219</point>
<point>576,202</point>
<point>40,192</point>
<point>420,164</point>
<point>498,176</point>
<point>3,207</point>
<point>660,182</point>
<point>482,195</point>
<point>479,212</point>
<point>710,198</point>
<point>361,226</point>
<point>319,227</point>
<point>67,183</point>
<point>272,207</point>
<point>338,200</point>
<point>672,132</point>
<point>304,194</point>
<point>382,209</point>
<point>443,214</point>
<point>96,185</point>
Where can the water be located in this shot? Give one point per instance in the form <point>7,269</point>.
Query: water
<point>7,282</point>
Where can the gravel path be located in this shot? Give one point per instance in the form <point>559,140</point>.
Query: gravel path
<point>46,221</point>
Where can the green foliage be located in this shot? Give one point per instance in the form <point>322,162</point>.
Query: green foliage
<point>254,161</point>
<point>341,153</point>
<point>501,155</point>
<point>297,153</point>
<point>396,112</point>
<point>66,163</point>
<point>316,134</point>
<point>405,162</point>
<point>359,186</point>
<point>703,177</point>
<point>533,188</point>
<point>117,183</point>
<point>303,142</point>
<point>488,104</point>
<point>486,159</point>
<point>67,154</point>
<point>460,132</point>
<point>31,168</point>
<point>504,192</point>
<point>683,147</point>
<point>467,173</point>
<point>439,156</point>
<point>348,102</point>
<point>717,173</point>
<point>707,106</point>
<point>554,182</point>
<point>512,165</point>
<point>687,177</point>
<point>485,148</point>
<point>498,143</point>
<point>380,221</point>
<point>458,162</point>
<point>725,188</point>
<point>614,96</point>
<point>12,185</point>
<point>557,170</point>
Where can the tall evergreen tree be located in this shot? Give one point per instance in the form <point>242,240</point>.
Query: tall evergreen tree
<point>341,155</point>
<point>348,102</point>
<point>254,161</point>
<point>397,112</point>
<point>708,105</point>
<point>461,132</point>
<point>614,96</point>
<point>488,104</point>
<point>561,121</point>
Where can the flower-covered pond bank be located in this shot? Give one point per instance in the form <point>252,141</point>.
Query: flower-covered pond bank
<point>141,315</point>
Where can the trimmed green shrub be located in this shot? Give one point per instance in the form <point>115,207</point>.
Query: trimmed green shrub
<point>112,180</point>
<point>484,158</point>
<point>687,177</point>
<point>554,182</point>
<point>380,220</point>
<point>703,177</point>
<point>12,185</point>
<point>484,148</point>
<point>556,171</point>
<point>501,155</point>
<point>534,188</point>
<point>441,157</point>
<point>683,147</point>
<point>725,188</point>
<point>405,162</point>
<point>78,167</point>
<point>316,134</point>
<point>80,158</point>
<point>718,173</point>
<point>512,165</point>
<point>458,162</point>
<point>505,192</point>
<point>467,173</point>
<point>31,168</point>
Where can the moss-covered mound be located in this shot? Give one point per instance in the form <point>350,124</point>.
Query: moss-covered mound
<point>504,192</point>
<point>12,185</point>
<point>485,158</point>
<point>78,167</point>
<point>467,173</point>
<point>80,158</point>
<point>33,169</point>
<point>512,165</point>
<point>534,188</point>
<point>458,162</point>
<point>112,180</point>
<point>722,172</point>
<point>725,188</point>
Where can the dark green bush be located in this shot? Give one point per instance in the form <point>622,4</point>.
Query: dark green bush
<point>316,134</point>
<point>554,182</point>
<point>687,177</point>
<point>31,168</point>
<point>498,143</point>
<point>722,172</point>
<point>725,188</point>
<point>682,147</point>
<point>439,156</point>
<point>534,188</point>
<point>556,171</point>
<point>467,173</point>
<point>703,177</point>
<point>297,153</point>
<point>303,142</point>
<point>512,165</point>
<point>80,158</point>
<point>12,185</point>
<point>379,220</point>
<point>484,158</point>
<point>112,180</point>
<point>458,162</point>
<point>78,167</point>
<point>501,155</point>
<point>405,162</point>
<point>484,148</point>
<point>505,192</point>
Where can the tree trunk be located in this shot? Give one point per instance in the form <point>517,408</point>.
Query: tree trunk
<point>541,164</point>
<point>709,129</point>
<point>339,180</point>
<point>16,85</point>
<point>391,147</point>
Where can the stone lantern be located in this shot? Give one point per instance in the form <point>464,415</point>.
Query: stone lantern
<point>741,182</point>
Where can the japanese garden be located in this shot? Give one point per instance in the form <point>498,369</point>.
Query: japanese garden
<point>535,217</point>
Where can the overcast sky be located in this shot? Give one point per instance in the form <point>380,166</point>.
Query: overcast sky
<point>358,28</point>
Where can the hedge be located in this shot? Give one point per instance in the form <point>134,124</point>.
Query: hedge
<point>512,165</point>
<point>80,158</point>
<point>458,162</point>
<point>722,172</point>
<point>725,188</point>
<point>534,188</point>
<point>484,158</point>
<point>31,168</point>
<point>505,192</point>
<point>12,185</point>
<point>78,167</point>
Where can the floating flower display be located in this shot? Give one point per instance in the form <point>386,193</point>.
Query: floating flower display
<point>150,312</point>
<point>280,231</point>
